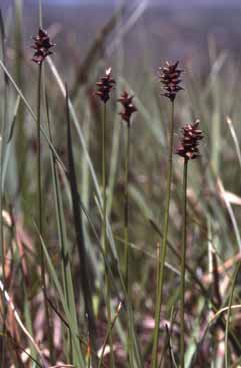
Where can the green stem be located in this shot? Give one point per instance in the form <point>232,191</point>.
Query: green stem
<point>164,246</point>
<point>39,203</point>
<point>39,151</point>
<point>126,242</point>
<point>126,210</point>
<point>104,233</point>
<point>40,222</point>
<point>104,180</point>
<point>183,265</point>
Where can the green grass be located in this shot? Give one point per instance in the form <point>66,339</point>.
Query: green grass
<point>76,265</point>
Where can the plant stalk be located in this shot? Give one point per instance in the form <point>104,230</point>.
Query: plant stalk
<point>126,242</point>
<point>39,202</point>
<point>183,265</point>
<point>104,234</point>
<point>39,152</point>
<point>126,211</point>
<point>163,251</point>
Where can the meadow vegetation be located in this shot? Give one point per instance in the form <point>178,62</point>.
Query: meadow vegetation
<point>116,248</point>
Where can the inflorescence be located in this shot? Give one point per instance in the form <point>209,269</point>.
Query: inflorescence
<point>188,147</point>
<point>129,107</point>
<point>42,46</point>
<point>170,78</point>
<point>105,85</point>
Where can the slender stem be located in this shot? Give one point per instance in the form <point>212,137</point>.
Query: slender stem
<point>104,179</point>
<point>40,222</point>
<point>39,202</point>
<point>126,210</point>
<point>183,264</point>
<point>104,233</point>
<point>39,150</point>
<point>126,241</point>
<point>164,246</point>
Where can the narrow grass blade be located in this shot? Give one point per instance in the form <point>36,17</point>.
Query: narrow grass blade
<point>84,275</point>
<point>68,290</point>
<point>235,138</point>
<point>78,355</point>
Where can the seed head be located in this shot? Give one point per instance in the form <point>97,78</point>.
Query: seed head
<point>191,136</point>
<point>105,85</point>
<point>42,46</point>
<point>128,107</point>
<point>170,78</point>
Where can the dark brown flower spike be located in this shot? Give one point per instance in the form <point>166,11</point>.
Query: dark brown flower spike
<point>170,78</point>
<point>105,85</point>
<point>129,107</point>
<point>188,147</point>
<point>42,46</point>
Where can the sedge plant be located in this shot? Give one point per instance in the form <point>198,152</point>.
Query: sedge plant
<point>42,48</point>
<point>188,150</point>
<point>170,79</point>
<point>128,109</point>
<point>105,86</point>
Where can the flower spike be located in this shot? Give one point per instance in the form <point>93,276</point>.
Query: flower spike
<point>42,46</point>
<point>128,107</point>
<point>170,78</point>
<point>188,147</point>
<point>105,85</point>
